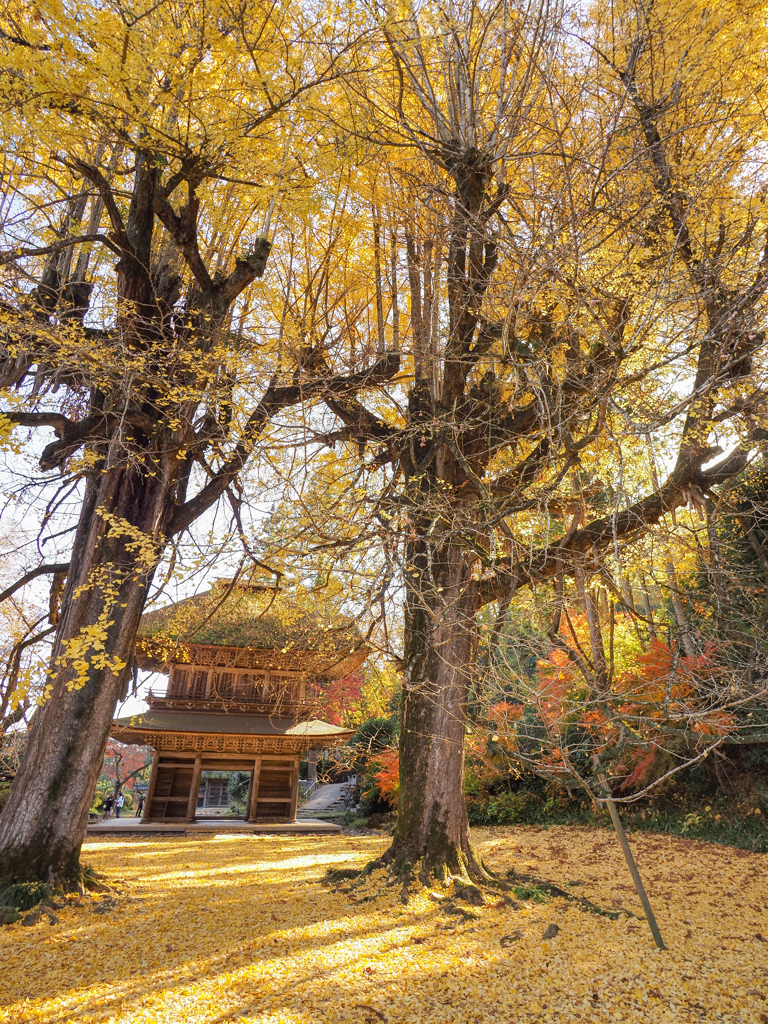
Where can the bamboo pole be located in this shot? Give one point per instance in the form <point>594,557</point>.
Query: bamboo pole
<point>646,903</point>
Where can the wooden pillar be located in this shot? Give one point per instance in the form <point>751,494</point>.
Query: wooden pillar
<point>196,772</point>
<point>150,788</point>
<point>248,798</point>
<point>294,790</point>
<point>254,797</point>
<point>311,766</point>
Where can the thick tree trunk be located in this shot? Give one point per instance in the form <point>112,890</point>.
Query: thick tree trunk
<point>432,832</point>
<point>44,819</point>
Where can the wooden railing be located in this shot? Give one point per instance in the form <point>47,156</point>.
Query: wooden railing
<point>287,708</point>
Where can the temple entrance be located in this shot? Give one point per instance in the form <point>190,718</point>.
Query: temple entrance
<point>187,787</point>
<point>223,794</point>
<point>241,663</point>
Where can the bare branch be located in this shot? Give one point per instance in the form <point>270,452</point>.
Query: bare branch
<point>275,399</point>
<point>42,570</point>
<point>49,250</point>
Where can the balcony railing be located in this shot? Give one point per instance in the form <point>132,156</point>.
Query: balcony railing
<point>285,707</point>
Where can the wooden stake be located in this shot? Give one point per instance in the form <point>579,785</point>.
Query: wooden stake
<point>646,903</point>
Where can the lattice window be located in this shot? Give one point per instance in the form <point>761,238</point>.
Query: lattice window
<point>216,793</point>
<point>199,683</point>
<point>260,687</point>
<point>244,686</point>
<point>225,684</point>
<point>177,684</point>
<point>283,687</point>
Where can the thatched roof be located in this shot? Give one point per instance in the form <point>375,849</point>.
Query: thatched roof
<point>251,626</point>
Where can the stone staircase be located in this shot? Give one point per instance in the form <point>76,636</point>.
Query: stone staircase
<point>325,799</point>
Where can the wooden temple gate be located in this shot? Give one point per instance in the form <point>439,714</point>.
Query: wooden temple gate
<point>175,783</point>
<point>235,707</point>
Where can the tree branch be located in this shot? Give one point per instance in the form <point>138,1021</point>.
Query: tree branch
<point>15,716</point>
<point>73,434</point>
<point>247,269</point>
<point>94,175</point>
<point>14,665</point>
<point>602,532</point>
<point>275,399</point>
<point>50,250</point>
<point>182,227</point>
<point>41,570</point>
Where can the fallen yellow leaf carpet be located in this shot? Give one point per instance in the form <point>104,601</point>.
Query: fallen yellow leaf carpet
<point>239,928</point>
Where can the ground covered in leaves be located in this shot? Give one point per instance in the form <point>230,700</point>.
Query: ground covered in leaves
<point>231,928</point>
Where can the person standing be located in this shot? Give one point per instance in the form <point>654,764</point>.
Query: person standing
<point>108,806</point>
<point>118,804</point>
<point>140,805</point>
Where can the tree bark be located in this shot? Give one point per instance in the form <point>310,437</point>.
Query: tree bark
<point>432,832</point>
<point>44,819</point>
<point>162,397</point>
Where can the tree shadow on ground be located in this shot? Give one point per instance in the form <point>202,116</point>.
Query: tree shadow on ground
<point>217,930</point>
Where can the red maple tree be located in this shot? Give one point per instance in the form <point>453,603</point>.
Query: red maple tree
<point>123,763</point>
<point>387,774</point>
<point>338,698</point>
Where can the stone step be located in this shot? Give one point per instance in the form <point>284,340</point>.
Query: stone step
<point>325,798</point>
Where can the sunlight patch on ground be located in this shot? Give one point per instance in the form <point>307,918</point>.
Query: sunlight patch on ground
<point>237,928</point>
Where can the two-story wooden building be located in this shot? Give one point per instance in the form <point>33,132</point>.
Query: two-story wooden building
<point>243,668</point>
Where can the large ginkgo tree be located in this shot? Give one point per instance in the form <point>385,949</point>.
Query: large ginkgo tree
<point>151,152</point>
<point>566,212</point>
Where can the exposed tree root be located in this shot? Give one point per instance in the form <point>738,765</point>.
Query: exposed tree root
<point>514,889</point>
<point>442,862</point>
<point>342,874</point>
<point>85,879</point>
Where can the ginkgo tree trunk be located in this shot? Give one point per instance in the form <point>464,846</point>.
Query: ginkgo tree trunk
<point>156,399</point>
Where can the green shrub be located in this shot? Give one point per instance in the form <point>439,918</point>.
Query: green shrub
<point>370,739</point>
<point>713,823</point>
<point>530,893</point>
<point>521,807</point>
<point>24,895</point>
